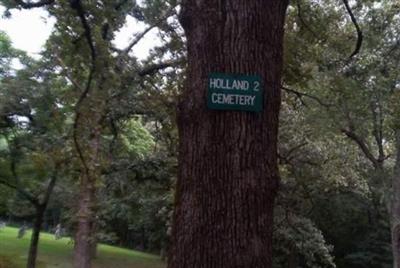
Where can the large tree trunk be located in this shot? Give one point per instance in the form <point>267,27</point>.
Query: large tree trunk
<point>395,206</point>
<point>228,173</point>
<point>85,217</point>
<point>88,144</point>
<point>37,227</point>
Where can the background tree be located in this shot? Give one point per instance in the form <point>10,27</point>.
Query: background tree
<point>82,46</point>
<point>32,126</point>
<point>337,138</point>
<point>349,96</point>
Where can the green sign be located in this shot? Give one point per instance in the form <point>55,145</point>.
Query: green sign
<point>235,92</point>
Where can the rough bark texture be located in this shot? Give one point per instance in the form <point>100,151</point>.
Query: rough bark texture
<point>395,206</point>
<point>82,250</point>
<point>228,174</point>
<point>89,147</point>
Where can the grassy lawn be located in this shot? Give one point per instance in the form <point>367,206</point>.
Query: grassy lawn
<point>58,253</point>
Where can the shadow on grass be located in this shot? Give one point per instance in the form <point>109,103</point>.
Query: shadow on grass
<point>5,262</point>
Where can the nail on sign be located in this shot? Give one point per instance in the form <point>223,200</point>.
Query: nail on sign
<point>235,92</point>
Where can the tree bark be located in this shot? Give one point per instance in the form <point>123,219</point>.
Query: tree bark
<point>89,130</point>
<point>39,217</point>
<point>37,227</point>
<point>93,241</point>
<point>87,135</point>
<point>228,173</point>
<point>395,205</point>
<point>85,216</point>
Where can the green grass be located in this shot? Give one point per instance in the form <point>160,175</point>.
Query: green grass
<point>58,253</point>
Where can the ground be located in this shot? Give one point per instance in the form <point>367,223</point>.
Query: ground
<point>58,253</point>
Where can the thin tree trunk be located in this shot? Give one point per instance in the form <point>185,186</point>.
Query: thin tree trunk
<point>395,206</point>
<point>228,173</point>
<point>37,227</point>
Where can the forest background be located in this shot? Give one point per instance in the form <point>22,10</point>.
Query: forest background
<point>339,142</point>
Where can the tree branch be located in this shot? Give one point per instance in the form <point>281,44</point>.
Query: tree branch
<point>358,29</point>
<point>377,129</point>
<point>30,5</point>
<point>10,185</point>
<point>300,95</point>
<point>136,40</point>
<point>287,157</point>
<point>17,186</point>
<point>69,77</point>
<point>299,15</point>
<point>76,5</point>
<point>50,186</point>
<point>20,190</point>
<point>158,66</point>
<point>139,36</point>
<point>363,146</point>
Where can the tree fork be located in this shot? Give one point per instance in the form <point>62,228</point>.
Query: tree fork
<point>228,172</point>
